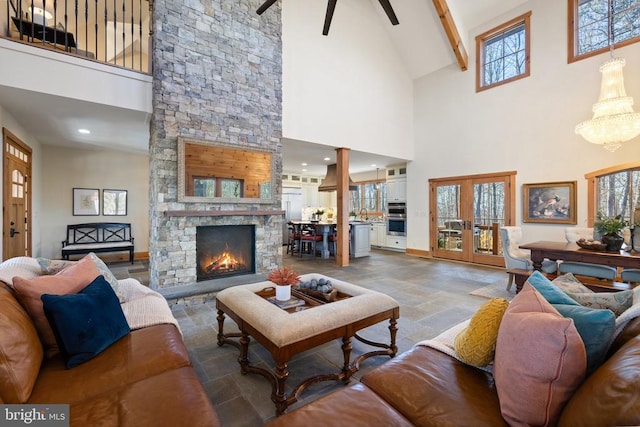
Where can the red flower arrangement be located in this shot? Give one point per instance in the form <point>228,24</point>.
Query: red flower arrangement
<point>284,276</point>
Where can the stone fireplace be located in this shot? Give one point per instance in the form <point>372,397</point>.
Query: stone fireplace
<point>224,251</point>
<point>217,69</point>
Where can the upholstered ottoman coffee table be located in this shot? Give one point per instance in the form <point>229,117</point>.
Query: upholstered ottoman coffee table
<point>285,333</point>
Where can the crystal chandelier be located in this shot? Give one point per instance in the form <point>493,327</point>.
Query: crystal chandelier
<point>614,120</point>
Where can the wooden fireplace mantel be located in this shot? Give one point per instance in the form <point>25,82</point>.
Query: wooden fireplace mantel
<point>224,213</point>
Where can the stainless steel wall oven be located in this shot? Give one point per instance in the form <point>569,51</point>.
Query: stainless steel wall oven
<point>396,219</point>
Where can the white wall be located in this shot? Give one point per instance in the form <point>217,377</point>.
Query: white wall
<point>347,89</point>
<point>525,126</point>
<point>9,122</point>
<point>65,169</point>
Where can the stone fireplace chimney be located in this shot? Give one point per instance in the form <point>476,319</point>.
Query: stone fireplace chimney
<point>217,69</point>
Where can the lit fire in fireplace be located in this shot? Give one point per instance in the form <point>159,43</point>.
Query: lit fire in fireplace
<point>222,263</point>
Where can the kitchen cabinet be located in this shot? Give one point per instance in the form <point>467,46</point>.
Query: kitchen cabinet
<point>378,232</point>
<point>397,190</point>
<point>397,242</point>
<point>310,195</point>
<point>396,172</point>
<point>360,239</point>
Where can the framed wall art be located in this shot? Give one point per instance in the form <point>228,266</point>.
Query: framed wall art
<point>550,202</point>
<point>86,201</point>
<point>114,202</point>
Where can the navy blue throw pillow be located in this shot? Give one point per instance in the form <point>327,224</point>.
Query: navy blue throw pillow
<point>86,323</point>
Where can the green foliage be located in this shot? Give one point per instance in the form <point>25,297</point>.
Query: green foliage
<point>609,225</point>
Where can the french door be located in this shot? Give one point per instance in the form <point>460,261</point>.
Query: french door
<point>466,214</point>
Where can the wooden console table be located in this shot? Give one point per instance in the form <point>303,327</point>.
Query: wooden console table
<point>572,252</point>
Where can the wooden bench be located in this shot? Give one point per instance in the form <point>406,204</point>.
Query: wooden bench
<point>98,237</point>
<point>597,285</point>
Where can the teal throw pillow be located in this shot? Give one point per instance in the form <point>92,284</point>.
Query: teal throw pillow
<point>596,328</point>
<point>549,291</point>
<point>86,323</point>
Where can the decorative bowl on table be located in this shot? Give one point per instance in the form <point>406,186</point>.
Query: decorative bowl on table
<point>318,288</point>
<point>592,245</point>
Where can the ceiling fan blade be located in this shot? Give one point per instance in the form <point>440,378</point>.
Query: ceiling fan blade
<point>331,7</point>
<point>389,10</point>
<point>266,5</point>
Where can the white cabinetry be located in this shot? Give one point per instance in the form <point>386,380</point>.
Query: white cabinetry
<point>309,195</point>
<point>397,190</point>
<point>395,172</point>
<point>360,240</point>
<point>397,183</point>
<point>378,231</point>
<point>397,242</point>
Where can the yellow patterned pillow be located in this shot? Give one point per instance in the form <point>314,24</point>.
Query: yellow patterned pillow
<point>476,344</point>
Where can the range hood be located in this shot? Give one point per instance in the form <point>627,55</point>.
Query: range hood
<point>330,182</point>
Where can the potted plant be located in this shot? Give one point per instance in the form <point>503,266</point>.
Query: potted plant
<point>317,215</point>
<point>283,278</point>
<point>610,229</point>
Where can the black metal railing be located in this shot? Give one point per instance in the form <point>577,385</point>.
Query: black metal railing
<point>115,32</point>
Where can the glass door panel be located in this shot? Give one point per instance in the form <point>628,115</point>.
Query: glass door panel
<point>488,216</point>
<point>466,216</point>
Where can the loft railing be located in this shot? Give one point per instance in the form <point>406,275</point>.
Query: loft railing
<point>115,32</point>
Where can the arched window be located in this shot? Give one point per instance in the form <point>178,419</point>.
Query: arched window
<point>614,191</point>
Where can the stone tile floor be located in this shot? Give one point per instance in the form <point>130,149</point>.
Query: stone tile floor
<point>433,296</point>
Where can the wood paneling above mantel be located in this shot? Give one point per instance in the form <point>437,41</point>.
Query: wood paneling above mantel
<point>223,213</point>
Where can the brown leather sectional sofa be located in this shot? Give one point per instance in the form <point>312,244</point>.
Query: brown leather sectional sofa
<point>426,387</point>
<point>144,379</point>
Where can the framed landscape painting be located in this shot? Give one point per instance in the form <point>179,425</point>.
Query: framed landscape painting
<point>550,202</point>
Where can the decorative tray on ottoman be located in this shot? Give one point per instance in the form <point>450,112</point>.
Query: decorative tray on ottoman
<point>592,245</point>
<point>328,297</point>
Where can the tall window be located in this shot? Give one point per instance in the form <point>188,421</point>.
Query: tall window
<point>502,53</point>
<point>589,25</point>
<point>616,191</point>
<point>370,196</point>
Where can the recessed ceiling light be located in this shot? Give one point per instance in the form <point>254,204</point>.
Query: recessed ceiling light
<point>326,159</point>
<point>304,170</point>
<point>84,131</point>
<point>303,164</point>
<point>373,165</point>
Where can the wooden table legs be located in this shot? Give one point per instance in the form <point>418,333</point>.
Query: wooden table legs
<point>278,379</point>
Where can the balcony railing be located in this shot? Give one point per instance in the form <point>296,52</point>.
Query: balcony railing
<point>115,32</point>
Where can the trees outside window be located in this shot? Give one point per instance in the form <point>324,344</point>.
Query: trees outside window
<point>502,53</point>
<point>589,26</point>
<point>615,191</point>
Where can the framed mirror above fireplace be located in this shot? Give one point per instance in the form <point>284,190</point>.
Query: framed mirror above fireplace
<point>217,172</point>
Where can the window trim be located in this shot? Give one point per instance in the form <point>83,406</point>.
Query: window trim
<point>572,40</point>
<point>381,181</point>
<point>592,185</point>
<point>481,39</point>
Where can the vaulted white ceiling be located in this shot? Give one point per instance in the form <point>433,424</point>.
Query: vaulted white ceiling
<point>419,39</point>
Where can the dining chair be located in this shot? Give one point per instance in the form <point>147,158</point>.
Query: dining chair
<point>573,234</point>
<point>630,275</point>
<point>516,257</point>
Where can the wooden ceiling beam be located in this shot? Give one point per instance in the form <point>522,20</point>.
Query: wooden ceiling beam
<point>452,33</point>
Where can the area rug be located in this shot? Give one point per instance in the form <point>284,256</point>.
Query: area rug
<point>496,290</point>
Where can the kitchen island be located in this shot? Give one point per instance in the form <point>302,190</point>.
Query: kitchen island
<point>359,236</point>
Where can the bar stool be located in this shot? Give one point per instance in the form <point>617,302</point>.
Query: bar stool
<point>308,240</point>
<point>333,240</point>
<point>293,240</point>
